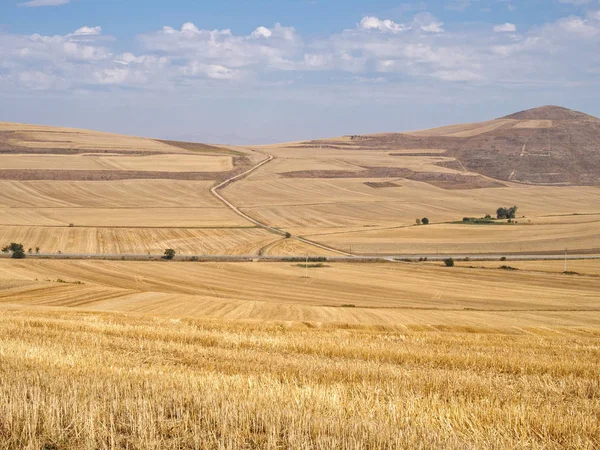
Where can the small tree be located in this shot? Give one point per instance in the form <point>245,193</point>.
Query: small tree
<point>507,213</point>
<point>425,221</point>
<point>169,254</point>
<point>288,235</point>
<point>418,221</point>
<point>37,250</point>
<point>18,252</point>
<point>449,262</point>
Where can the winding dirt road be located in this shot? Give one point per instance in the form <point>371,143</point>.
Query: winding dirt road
<point>215,191</point>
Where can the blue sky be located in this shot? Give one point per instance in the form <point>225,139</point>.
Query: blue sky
<point>263,71</point>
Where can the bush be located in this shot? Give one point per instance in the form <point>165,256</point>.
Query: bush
<point>418,221</point>
<point>425,221</point>
<point>508,268</point>
<point>503,258</point>
<point>288,235</point>
<point>449,262</point>
<point>169,254</point>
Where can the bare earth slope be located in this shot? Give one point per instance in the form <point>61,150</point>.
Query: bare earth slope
<point>546,145</point>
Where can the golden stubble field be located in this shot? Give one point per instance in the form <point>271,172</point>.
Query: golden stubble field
<point>180,355</point>
<point>82,380</point>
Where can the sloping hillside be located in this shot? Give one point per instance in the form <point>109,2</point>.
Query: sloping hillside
<point>549,145</point>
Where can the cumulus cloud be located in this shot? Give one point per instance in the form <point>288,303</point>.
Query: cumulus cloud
<point>39,3</point>
<point>505,28</point>
<point>375,49</point>
<point>88,31</point>
<point>385,26</point>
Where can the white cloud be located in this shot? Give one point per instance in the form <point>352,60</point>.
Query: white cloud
<point>88,31</point>
<point>262,32</point>
<point>38,3</point>
<point>375,49</point>
<point>505,28</point>
<point>385,26</point>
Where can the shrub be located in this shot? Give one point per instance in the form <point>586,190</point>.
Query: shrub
<point>449,262</point>
<point>425,221</point>
<point>169,254</point>
<point>418,221</point>
<point>503,258</point>
<point>288,235</point>
<point>508,268</point>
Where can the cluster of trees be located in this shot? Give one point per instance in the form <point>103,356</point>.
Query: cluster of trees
<point>507,213</point>
<point>17,250</point>
<point>423,221</point>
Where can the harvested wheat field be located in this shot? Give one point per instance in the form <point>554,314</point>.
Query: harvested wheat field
<point>115,240</point>
<point>359,293</point>
<point>75,380</point>
<point>167,355</point>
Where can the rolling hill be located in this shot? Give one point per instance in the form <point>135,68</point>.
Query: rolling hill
<point>549,145</point>
<point>86,192</point>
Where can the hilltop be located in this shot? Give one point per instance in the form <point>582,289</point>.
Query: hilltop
<point>549,145</point>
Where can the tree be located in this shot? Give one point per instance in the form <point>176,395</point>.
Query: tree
<point>37,250</point>
<point>507,213</point>
<point>425,221</point>
<point>418,221</point>
<point>288,235</point>
<point>17,250</point>
<point>449,262</point>
<point>169,254</point>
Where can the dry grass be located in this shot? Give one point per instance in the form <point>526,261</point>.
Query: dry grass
<point>113,239</point>
<point>393,294</point>
<point>464,130</point>
<point>37,136</point>
<point>161,163</point>
<point>71,380</point>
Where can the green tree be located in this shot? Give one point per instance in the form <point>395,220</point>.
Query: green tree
<point>169,254</point>
<point>507,213</point>
<point>17,250</point>
<point>449,262</point>
<point>425,221</point>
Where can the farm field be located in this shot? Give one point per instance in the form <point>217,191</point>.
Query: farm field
<point>169,355</point>
<point>128,381</point>
<point>41,137</point>
<point>391,294</point>
<point>115,240</point>
<point>355,193</point>
<point>471,239</point>
<point>164,163</point>
<point>582,267</point>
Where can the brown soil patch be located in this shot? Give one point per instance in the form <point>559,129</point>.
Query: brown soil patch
<point>381,184</point>
<point>439,179</point>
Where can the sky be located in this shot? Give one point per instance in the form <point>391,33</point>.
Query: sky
<point>262,71</point>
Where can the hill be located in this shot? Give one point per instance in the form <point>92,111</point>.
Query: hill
<point>549,145</point>
<point>85,192</point>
